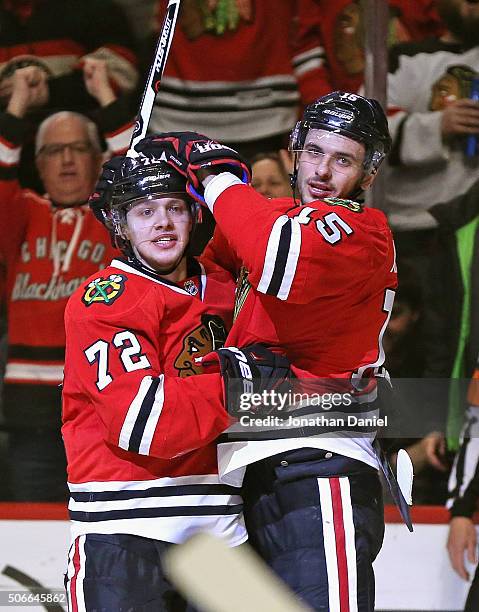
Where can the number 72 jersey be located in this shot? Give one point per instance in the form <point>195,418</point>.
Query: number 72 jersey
<point>138,427</point>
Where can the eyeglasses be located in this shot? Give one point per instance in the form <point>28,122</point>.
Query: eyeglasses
<point>53,150</point>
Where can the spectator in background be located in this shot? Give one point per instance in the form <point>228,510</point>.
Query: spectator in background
<point>402,339</point>
<point>431,117</point>
<point>50,244</point>
<point>452,317</point>
<point>233,75</point>
<point>56,36</point>
<point>405,358</point>
<point>59,37</point>
<point>270,174</point>
<point>337,29</point>
<point>139,15</point>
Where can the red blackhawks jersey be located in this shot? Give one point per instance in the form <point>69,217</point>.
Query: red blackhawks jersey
<point>131,405</point>
<point>244,84</point>
<point>317,281</point>
<point>48,252</point>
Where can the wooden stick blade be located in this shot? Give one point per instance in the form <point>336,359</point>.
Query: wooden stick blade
<point>217,578</point>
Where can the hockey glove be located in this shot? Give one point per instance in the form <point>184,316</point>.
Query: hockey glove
<point>164,148</point>
<point>249,370</point>
<point>188,152</point>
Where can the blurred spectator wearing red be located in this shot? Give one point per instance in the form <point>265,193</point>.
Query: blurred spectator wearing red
<point>338,27</point>
<point>50,243</point>
<point>234,75</point>
<point>56,36</point>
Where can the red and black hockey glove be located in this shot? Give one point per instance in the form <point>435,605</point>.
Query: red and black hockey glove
<point>253,376</point>
<point>164,147</point>
<point>189,152</point>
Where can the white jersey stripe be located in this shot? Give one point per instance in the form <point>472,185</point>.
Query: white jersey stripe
<point>9,156</point>
<point>172,501</point>
<point>292,261</point>
<point>312,64</point>
<point>226,86</point>
<point>70,573</point>
<point>271,253</point>
<point>152,422</point>
<point>34,372</point>
<point>139,485</point>
<point>350,542</point>
<point>133,411</point>
<point>120,141</point>
<point>307,55</point>
<point>227,102</point>
<point>76,575</point>
<point>329,537</point>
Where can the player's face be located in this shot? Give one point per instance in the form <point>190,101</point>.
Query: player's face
<point>67,163</point>
<point>330,166</point>
<point>159,232</point>
<point>269,179</point>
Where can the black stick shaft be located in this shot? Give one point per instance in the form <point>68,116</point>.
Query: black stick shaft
<point>155,75</point>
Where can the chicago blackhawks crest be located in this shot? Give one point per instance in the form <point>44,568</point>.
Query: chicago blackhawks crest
<point>104,290</point>
<point>201,340</point>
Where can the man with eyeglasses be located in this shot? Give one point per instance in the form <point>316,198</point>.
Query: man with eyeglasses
<point>49,244</point>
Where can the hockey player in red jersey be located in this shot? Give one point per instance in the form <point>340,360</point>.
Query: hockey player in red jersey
<point>130,402</point>
<point>317,278</point>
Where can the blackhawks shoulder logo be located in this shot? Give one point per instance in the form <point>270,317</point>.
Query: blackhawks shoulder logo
<point>104,290</point>
<point>350,204</point>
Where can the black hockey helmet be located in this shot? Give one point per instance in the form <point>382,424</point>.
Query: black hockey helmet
<point>351,115</point>
<point>123,182</point>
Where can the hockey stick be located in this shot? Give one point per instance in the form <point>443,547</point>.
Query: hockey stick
<point>216,578</point>
<point>155,75</point>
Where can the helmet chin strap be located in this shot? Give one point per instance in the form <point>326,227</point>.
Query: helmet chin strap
<point>293,179</point>
<point>142,263</point>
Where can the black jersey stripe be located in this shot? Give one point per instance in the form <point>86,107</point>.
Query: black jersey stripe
<point>166,491</point>
<point>144,413</point>
<point>171,511</point>
<point>282,253</point>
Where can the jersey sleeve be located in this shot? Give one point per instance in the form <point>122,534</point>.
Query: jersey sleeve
<point>299,253</point>
<point>113,367</point>
<point>116,123</point>
<point>308,54</point>
<point>108,36</point>
<point>416,132</point>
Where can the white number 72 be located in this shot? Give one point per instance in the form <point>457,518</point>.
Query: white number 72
<point>130,355</point>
